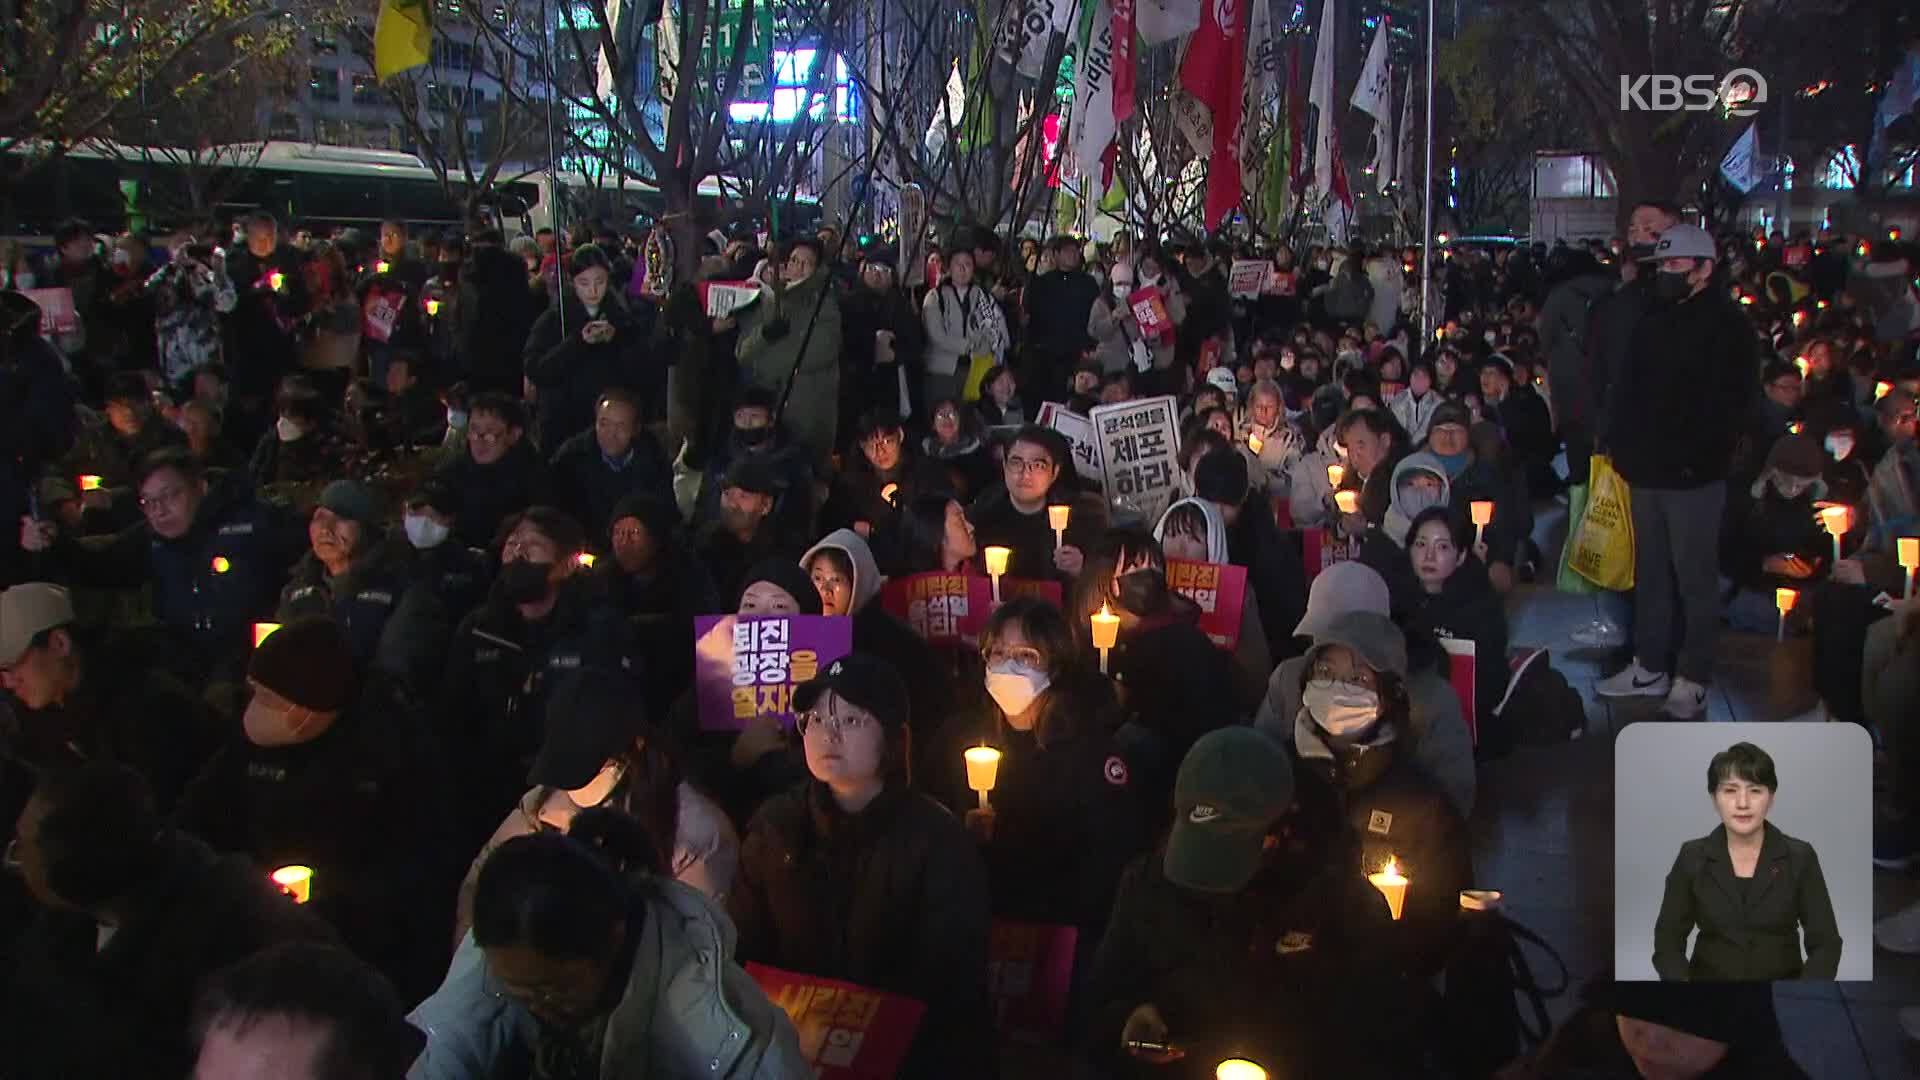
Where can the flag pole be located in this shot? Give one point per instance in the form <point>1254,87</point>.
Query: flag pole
<point>1426,215</point>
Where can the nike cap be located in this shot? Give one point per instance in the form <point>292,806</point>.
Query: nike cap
<point>1233,785</point>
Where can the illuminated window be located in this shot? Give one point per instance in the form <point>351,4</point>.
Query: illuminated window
<point>792,71</point>
<point>1841,169</point>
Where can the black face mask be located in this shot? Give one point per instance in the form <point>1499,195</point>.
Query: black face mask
<point>524,582</point>
<point>1671,286</point>
<point>1143,592</point>
<point>1640,252</point>
<point>449,271</point>
<point>752,436</point>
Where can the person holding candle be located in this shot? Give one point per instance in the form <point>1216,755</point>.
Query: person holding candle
<point>1419,482</point>
<point>1309,488</point>
<point>857,875</point>
<point>1458,601</point>
<point>1375,444</point>
<point>1752,891</point>
<point>1473,478</point>
<point>1252,932</point>
<point>883,475</point>
<point>260,327</point>
<point>1271,441</point>
<point>133,913</point>
<point>1038,471</point>
<point>1195,530</point>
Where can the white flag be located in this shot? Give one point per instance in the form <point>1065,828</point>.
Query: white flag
<point>947,118</point>
<point>1326,141</point>
<point>1263,74</point>
<point>1029,29</point>
<point>1373,95</point>
<point>1164,20</point>
<point>1740,166</point>
<point>1093,123</point>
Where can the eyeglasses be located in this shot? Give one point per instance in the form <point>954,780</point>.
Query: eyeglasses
<point>1324,672</point>
<point>1028,465</point>
<point>488,437</point>
<point>1024,655</point>
<point>829,724</point>
<point>947,414</point>
<point>165,495</point>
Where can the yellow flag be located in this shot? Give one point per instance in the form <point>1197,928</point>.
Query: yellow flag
<point>401,37</point>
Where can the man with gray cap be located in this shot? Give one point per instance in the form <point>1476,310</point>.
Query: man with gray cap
<point>1252,934</point>
<point>1672,431</point>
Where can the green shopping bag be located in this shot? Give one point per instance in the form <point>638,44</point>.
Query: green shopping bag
<point>1568,581</point>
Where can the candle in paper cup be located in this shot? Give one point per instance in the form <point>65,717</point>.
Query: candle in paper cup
<point>983,767</point>
<point>1057,517</point>
<point>1347,501</point>
<point>1392,885</point>
<point>891,493</point>
<point>1336,472</point>
<point>433,306</point>
<point>996,557</point>
<point>1836,519</point>
<point>585,559</point>
<point>295,881</point>
<point>90,482</point>
<point>1882,389</point>
<point>1255,443</point>
<point>1239,1069</point>
<point>1482,511</point>
<point>262,631</point>
<point>1909,547</point>
<point>1784,599</point>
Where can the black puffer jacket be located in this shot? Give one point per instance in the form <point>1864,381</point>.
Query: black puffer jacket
<point>586,486</point>
<point>495,312</point>
<point>1468,608</point>
<point>393,626</point>
<point>1689,377</point>
<point>571,374</point>
<point>893,897</point>
<point>489,494</point>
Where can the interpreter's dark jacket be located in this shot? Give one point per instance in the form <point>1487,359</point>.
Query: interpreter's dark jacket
<point>588,487</point>
<point>1748,929</point>
<point>489,494</point>
<point>571,374</point>
<point>894,898</point>
<point>74,1007</point>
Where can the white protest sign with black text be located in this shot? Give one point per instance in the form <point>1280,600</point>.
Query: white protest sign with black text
<point>1138,441</point>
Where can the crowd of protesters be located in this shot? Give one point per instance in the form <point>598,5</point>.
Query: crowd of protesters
<point>379,557</point>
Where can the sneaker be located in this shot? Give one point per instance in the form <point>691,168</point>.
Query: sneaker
<point>1896,845</point>
<point>1900,931</point>
<point>1686,700</point>
<point>1598,634</point>
<point>1633,681</point>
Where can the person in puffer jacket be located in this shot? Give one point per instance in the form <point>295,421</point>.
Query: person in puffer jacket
<point>636,973</point>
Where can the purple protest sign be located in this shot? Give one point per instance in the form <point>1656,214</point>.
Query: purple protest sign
<point>747,665</point>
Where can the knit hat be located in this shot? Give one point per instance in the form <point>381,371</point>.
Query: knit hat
<point>1342,587</point>
<point>1221,477</point>
<point>309,663</point>
<point>348,499</point>
<point>1796,455</point>
<point>864,680</point>
<point>593,716</point>
<point>789,576</point>
<point>1233,785</point>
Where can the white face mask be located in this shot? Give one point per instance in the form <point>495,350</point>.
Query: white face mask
<point>424,533</point>
<point>23,282</point>
<point>1121,290</point>
<point>288,429</point>
<point>456,418</point>
<point>1413,500</point>
<point>1013,686</point>
<point>1340,708</point>
<point>1840,446</point>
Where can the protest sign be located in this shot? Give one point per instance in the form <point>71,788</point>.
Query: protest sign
<point>1221,592</point>
<point>947,609</point>
<point>1029,974</point>
<point>381,312</point>
<point>847,1031</point>
<point>1319,550</point>
<point>723,298</point>
<point>1078,431</point>
<point>1246,277</point>
<point>1138,441</point>
<point>1460,670</point>
<point>1150,313</point>
<point>747,665</point>
<point>57,314</point>
<point>1279,282</point>
<point>1050,591</point>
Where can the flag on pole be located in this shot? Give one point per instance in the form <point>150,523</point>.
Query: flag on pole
<point>1093,121</point>
<point>1404,161</point>
<point>1903,92</point>
<point>1263,61</point>
<point>1373,95</point>
<point>1213,71</point>
<point>1740,164</point>
<point>979,127</point>
<point>1163,20</point>
<point>1029,29</point>
<point>1124,63</point>
<point>1276,194</point>
<point>1329,173</point>
<point>402,37</point>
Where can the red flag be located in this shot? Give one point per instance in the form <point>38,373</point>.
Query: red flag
<point>1213,73</point>
<point>1125,40</point>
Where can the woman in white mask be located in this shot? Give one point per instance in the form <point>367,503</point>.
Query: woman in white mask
<point>1354,717</point>
<point>1065,815</point>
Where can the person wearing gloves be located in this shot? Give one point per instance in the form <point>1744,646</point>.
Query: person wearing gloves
<point>962,320</point>
<point>856,875</point>
<point>1252,933</point>
<point>1419,482</point>
<point>848,579</point>
<point>1265,426</point>
<point>1434,736</point>
<point>1194,530</point>
<point>585,961</point>
<point>601,751</point>
<point>799,312</point>
<point>1354,711</point>
<point>1457,601</point>
<point>332,773</point>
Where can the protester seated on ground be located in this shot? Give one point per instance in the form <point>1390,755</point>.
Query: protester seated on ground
<point>72,700</point>
<point>302,1011</point>
<point>955,442</point>
<point>1201,442</point>
<point>1457,601</point>
<point>1839,431</point>
<point>1419,482</point>
<point>414,417</point>
<point>133,914</point>
<point>744,530</point>
<point>495,472</point>
<point>1772,415</point>
<point>1309,490</point>
<point>882,473</point>
<point>755,439</point>
<point>914,920</point>
<point>1195,530</point>
<point>848,579</point>
<point>616,456</point>
<point>1679,1030</point>
<point>585,957</point>
<point>1524,418</point>
<point>1893,423</point>
<point>1203,951</point>
<point>135,429</point>
<point>1772,537</point>
<point>1415,402</point>
<point>659,584</point>
<point>1267,428</point>
<point>1375,443</point>
<point>600,750</point>
<point>1487,474</point>
<point>1275,573</point>
<point>934,534</point>
<point>1037,472</point>
<point>301,447</point>
<point>1065,814</point>
<point>1435,732</point>
<point>1000,404</point>
<point>334,774</point>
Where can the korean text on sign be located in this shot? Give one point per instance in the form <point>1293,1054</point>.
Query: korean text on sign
<point>846,1031</point>
<point>1138,442</point>
<point>1221,593</point>
<point>747,666</point>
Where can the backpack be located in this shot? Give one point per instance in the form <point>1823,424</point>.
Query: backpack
<point>1540,707</point>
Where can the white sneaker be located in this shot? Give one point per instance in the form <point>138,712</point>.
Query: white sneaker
<point>1633,681</point>
<point>1686,700</point>
<point>1598,634</point>
<point>1900,931</point>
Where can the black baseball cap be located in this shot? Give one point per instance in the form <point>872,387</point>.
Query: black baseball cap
<point>439,496</point>
<point>1451,412</point>
<point>864,680</point>
<point>1233,785</point>
<point>593,716</point>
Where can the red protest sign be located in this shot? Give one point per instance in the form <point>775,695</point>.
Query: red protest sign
<point>847,1032</point>
<point>1220,590</point>
<point>57,314</point>
<point>382,311</point>
<point>1046,590</point>
<point>1029,974</point>
<point>1460,670</point>
<point>942,608</point>
<point>1319,550</point>
<point>1150,312</point>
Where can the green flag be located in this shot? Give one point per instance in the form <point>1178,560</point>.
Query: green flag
<point>977,128</point>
